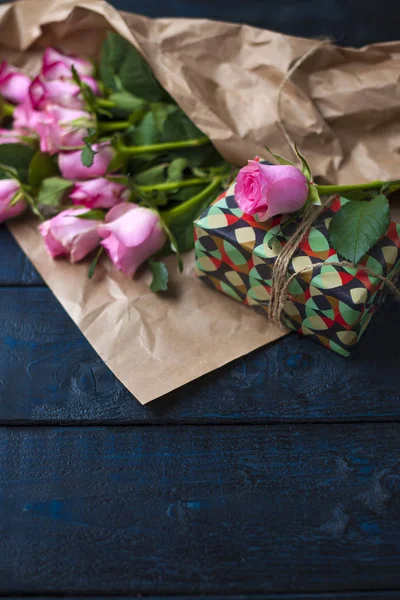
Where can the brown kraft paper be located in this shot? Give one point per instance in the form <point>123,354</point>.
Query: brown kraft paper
<point>342,106</point>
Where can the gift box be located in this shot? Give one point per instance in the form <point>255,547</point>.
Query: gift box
<point>332,304</point>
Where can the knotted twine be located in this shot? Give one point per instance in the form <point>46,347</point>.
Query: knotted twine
<point>280,282</point>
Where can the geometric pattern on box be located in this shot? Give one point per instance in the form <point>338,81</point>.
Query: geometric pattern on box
<point>333,305</point>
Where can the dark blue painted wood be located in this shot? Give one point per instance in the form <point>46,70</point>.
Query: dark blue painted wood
<point>49,373</point>
<point>15,267</point>
<point>200,510</point>
<point>356,23</point>
<point>376,595</point>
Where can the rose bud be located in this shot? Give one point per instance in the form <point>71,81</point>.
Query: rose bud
<point>99,193</point>
<point>60,91</point>
<point>71,166</point>
<point>268,190</point>
<point>8,136</point>
<point>57,65</point>
<point>14,85</point>
<point>57,129</point>
<point>8,190</point>
<point>67,235</point>
<point>26,117</point>
<point>131,235</point>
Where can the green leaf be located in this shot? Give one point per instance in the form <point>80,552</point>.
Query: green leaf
<point>147,132</point>
<point>358,226</point>
<point>177,168</point>
<point>177,126</point>
<point>360,194</point>
<point>96,214</point>
<point>122,67</point>
<point>313,195</point>
<point>94,262</point>
<point>126,104</point>
<point>183,194</point>
<point>42,167</point>
<point>52,191</point>
<point>279,159</point>
<point>88,154</point>
<point>161,111</point>
<point>306,168</point>
<point>18,157</point>
<point>152,176</point>
<point>136,116</point>
<point>160,276</point>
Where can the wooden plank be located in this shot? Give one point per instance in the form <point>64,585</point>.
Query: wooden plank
<point>15,267</point>
<point>49,373</point>
<point>375,595</point>
<point>200,510</point>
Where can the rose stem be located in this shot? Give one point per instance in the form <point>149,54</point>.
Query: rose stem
<point>169,215</point>
<point>105,103</point>
<point>113,126</point>
<point>333,189</point>
<point>133,150</point>
<point>173,185</point>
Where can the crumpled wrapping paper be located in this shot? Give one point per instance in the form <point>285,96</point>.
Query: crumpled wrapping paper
<point>342,106</point>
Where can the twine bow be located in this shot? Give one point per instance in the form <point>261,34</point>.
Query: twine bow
<point>280,281</point>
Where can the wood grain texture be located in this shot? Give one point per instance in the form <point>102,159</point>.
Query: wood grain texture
<point>49,373</point>
<point>15,267</point>
<point>375,595</point>
<point>196,510</point>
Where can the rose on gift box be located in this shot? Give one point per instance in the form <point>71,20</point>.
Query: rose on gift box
<point>322,295</point>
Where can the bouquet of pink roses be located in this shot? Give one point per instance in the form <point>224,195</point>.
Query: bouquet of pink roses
<point>105,158</point>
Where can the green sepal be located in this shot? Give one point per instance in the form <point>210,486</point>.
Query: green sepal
<point>305,166</point>
<point>94,262</point>
<point>313,195</point>
<point>279,159</point>
<point>95,214</point>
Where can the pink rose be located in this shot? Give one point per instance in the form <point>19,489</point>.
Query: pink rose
<point>57,129</point>
<point>8,190</point>
<point>67,235</point>
<point>99,193</point>
<point>59,91</point>
<point>131,235</point>
<point>268,190</point>
<point>8,136</point>
<point>14,85</point>
<point>57,65</point>
<point>26,117</point>
<point>71,166</point>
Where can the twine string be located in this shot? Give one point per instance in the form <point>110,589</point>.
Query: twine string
<point>297,63</point>
<point>280,281</point>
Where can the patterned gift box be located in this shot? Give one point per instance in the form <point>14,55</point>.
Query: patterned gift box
<point>332,304</point>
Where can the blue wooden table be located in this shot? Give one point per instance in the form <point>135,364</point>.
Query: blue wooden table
<point>276,477</point>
